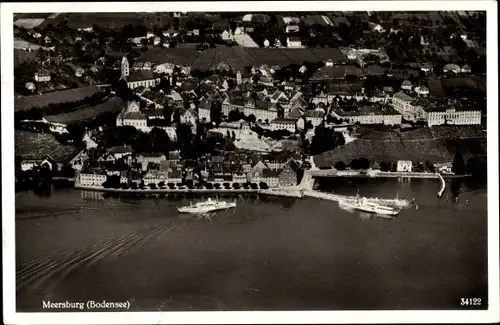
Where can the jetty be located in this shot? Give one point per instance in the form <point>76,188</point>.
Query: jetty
<point>443,185</point>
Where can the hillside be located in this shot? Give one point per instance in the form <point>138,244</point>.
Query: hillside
<point>437,144</point>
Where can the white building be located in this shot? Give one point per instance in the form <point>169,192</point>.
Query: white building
<point>284,124</point>
<point>315,117</point>
<point>292,29</point>
<point>266,43</point>
<point>404,166</point>
<point>293,42</point>
<point>204,110</point>
<point>42,76</point>
<point>406,85</point>
<point>92,177</point>
<point>142,78</point>
<point>439,116</point>
<point>406,105</point>
<point>262,110</point>
<point>369,115</point>
<point>226,35</point>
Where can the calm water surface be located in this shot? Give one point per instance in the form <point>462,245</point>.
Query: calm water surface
<point>267,254</point>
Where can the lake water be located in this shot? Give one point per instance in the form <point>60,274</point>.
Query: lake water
<point>269,253</point>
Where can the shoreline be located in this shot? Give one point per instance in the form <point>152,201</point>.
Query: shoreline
<point>166,191</point>
<point>380,174</point>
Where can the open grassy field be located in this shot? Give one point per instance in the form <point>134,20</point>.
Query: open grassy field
<point>31,145</point>
<point>70,95</point>
<point>112,105</point>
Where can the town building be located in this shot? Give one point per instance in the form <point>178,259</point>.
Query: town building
<point>293,42</point>
<point>288,175</point>
<point>204,110</point>
<point>92,177</point>
<point>407,106</point>
<point>453,116</point>
<point>404,166</point>
<point>42,75</point>
<point>284,123</point>
<point>141,78</point>
<point>451,68</point>
<point>369,115</point>
<point>146,158</point>
<point>316,117</point>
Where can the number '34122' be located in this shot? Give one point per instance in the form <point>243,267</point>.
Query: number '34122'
<point>470,302</point>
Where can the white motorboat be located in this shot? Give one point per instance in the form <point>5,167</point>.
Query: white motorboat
<point>207,206</point>
<point>364,205</point>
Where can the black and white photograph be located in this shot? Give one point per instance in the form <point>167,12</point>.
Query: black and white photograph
<point>216,157</point>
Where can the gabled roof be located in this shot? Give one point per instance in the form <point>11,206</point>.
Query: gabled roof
<point>120,149</point>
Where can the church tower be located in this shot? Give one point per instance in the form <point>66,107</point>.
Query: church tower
<point>125,67</point>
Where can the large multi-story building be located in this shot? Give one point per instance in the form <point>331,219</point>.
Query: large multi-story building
<point>281,123</point>
<point>369,115</point>
<point>454,116</point>
<point>92,177</point>
<point>407,106</point>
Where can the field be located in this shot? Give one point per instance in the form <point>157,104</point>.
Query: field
<point>23,45</point>
<point>28,23</point>
<point>76,94</point>
<point>112,105</point>
<point>30,145</point>
<point>245,40</point>
<point>21,56</point>
<point>437,144</point>
<point>113,20</point>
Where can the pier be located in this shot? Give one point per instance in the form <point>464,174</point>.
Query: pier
<point>443,185</point>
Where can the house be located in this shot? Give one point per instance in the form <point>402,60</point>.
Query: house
<point>92,177</point>
<point>42,75</point>
<point>451,68</point>
<point>284,123</point>
<point>156,177</point>
<point>30,86</point>
<point>406,85</point>
<point>422,90</point>
<point>378,28</point>
<point>315,116</point>
<point>404,166</point>
<point>204,110</point>
<point>174,176</point>
<point>277,42</point>
<point>120,151</point>
<point>35,34</point>
<point>147,158</point>
<point>266,42</point>
<point>466,69</point>
<point>407,106</point>
<point>292,29</point>
<point>288,175</point>
<point>89,142</point>
<point>268,176</point>
<point>293,42</point>
<point>226,35</point>
<point>78,70</point>
<point>47,40</point>
<point>426,67</point>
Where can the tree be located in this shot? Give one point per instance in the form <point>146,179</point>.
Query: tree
<point>236,186</point>
<point>458,166</point>
<point>263,185</point>
<point>251,118</point>
<point>385,167</point>
<point>234,115</point>
<point>339,165</point>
